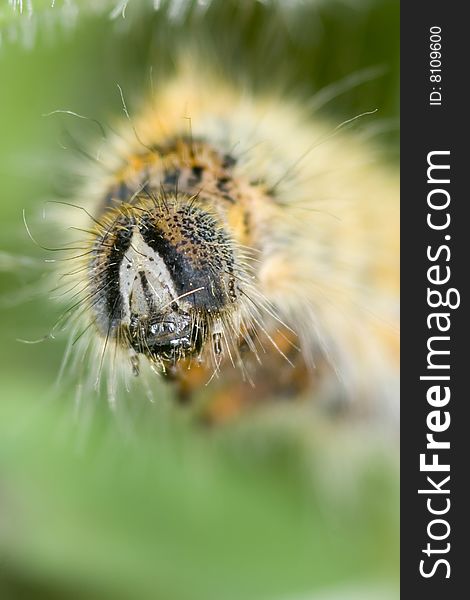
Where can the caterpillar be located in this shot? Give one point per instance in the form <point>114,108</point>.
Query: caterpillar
<point>237,248</point>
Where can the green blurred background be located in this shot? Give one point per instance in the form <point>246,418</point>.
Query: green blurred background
<point>144,503</point>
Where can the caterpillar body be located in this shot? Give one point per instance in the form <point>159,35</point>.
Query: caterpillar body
<point>239,248</point>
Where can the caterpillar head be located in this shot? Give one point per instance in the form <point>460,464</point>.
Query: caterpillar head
<point>163,273</point>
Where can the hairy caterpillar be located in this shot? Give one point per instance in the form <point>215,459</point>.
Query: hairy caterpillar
<point>238,248</point>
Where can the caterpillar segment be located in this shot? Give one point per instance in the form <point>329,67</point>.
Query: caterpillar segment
<point>245,251</point>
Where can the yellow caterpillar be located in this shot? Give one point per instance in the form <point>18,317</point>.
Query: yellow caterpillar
<point>240,249</point>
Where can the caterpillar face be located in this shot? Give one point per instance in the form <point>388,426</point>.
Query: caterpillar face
<point>163,270</point>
